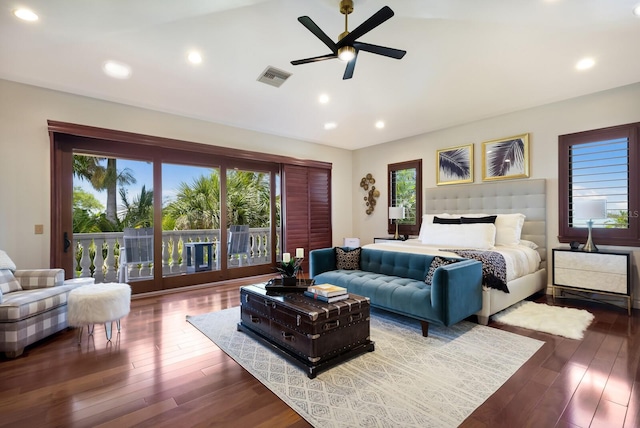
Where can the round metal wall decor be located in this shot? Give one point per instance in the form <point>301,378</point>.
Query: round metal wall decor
<point>368,184</point>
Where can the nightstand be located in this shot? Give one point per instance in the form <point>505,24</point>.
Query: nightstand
<point>387,239</point>
<point>602,272</point>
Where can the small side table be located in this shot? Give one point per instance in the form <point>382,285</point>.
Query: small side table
<point>199,256</point>
<point>602,272</point>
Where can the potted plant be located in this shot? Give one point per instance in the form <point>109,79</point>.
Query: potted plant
<point>289,267</point>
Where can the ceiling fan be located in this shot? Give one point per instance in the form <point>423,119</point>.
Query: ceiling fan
<point>347,47</point>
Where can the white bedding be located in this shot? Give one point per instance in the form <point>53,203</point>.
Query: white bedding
<point>520,260</point>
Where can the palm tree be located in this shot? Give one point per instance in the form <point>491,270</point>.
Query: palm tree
<point>138,212</point>
<point>103,178</point>
<point>197,205</point>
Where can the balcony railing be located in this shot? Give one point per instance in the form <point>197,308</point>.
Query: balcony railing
<point>97,255</point>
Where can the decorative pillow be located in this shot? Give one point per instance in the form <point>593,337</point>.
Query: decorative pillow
<point>485,219</point>
<point>529,244</point>
<point>6,262</point>
<point>435,264</point>
<point>348,259</point>
<point>427,220</point>
<point>476,235</point>
<point>509,228</point>
<point>8,282</point>
<point>446,220</point>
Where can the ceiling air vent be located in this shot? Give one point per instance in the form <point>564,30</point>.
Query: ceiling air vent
<point>273,76</point>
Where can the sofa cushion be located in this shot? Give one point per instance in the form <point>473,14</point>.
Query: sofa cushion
<point>39,278</point>
<point>348,259</point>
<point>435,264</point>
<point>8,283</point>
<point>27,303</point>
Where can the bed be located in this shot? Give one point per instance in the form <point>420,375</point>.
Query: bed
<point>526,272</point>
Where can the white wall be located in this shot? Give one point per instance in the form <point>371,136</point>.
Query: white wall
<point>25,158</point>
<point>25,175</point>
<point>544,124</point>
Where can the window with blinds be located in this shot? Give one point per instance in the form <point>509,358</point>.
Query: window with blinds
<point>598,180</point>
<point>600,171</point>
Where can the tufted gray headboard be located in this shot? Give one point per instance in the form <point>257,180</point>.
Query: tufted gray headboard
<point>520,196</point>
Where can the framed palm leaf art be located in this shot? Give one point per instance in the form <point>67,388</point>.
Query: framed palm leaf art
<point>505,158</point>
<point>454,165</point>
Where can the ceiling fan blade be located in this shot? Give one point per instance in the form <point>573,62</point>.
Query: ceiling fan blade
<point>380,50</point>
<point>311,26</point>
<point>376,19</point>
<point>314,59</point>
<point>351,65</point>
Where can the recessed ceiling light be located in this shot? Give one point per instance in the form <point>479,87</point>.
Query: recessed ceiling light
<point>585,64</point>
<point>194,57</point>
<point>25,15</point>
<point>323,98</point>
<point>379,124</point>
<point>636,10</point>
<point>330,125</point>
<point>117,70</point>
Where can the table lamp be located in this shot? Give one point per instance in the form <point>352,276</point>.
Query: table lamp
<point>396,213</point>
<point>590,209</point>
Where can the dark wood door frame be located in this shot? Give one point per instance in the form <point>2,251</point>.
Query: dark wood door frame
<point>66,137</point>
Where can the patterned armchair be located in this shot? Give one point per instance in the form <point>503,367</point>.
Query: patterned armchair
<point>33,305</point>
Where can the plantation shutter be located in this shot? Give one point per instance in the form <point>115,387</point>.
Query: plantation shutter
<point>307,209</point>
<point>600,165</point>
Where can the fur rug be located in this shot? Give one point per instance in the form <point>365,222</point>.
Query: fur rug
<point>561,321</point>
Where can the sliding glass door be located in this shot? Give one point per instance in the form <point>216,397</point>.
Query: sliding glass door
<point>111,197</point>
<point>157,217</point>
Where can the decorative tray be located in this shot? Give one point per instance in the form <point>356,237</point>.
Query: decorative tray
<point>275,285</point>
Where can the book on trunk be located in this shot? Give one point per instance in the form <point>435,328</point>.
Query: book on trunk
<point>327,290</point>
<point>326,299</point>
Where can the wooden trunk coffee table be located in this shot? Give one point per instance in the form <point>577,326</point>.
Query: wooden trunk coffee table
<point>311,334</point>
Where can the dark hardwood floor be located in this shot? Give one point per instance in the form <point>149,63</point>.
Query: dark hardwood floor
<point>160,371</point>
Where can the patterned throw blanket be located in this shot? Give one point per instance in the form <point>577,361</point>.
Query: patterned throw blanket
<point>494,267</point>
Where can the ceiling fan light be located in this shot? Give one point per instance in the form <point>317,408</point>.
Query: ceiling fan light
<point>346,53</point>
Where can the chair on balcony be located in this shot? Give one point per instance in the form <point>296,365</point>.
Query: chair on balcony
<point>136,254</point>
<point>239,243</point>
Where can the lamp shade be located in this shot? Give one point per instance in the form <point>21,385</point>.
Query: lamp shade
<point>590,209</point>
<point>396,213</point>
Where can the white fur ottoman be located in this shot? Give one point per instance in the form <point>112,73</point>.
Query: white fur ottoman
<point>97,304</point>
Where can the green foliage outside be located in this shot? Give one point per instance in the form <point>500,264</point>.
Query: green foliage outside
<point>619,220</point>
<point>405,193</point>
<point>196,206</point>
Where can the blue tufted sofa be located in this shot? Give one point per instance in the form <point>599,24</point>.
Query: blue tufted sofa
<point>394,281</point>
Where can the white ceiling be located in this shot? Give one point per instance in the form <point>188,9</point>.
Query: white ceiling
<point>466,59</point>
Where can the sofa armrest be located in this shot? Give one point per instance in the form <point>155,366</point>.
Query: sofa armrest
<point>39,278</point>
<point>456,290</point>
<point>321,260</point>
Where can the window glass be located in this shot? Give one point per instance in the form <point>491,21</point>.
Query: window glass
<point>405,189</point>
<point>600,171</point>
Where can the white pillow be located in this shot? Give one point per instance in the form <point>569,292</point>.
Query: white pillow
<point>475,235</point>
<point>509,228</point>
<point>529,244</point>
<point>6,262</point>
<point>428,219</point>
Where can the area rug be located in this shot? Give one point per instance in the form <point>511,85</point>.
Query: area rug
<point>561,321</point>
<point>408,381</point>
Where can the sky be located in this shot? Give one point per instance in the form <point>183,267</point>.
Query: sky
<point>172,176</point>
